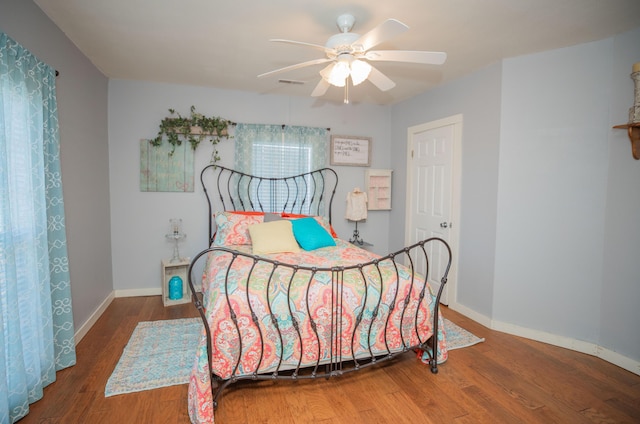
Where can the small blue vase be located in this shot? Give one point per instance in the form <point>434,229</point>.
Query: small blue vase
<point>175,288</point>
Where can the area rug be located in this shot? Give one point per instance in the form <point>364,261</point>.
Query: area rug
<point>161,353</point>
<point>458,337</point>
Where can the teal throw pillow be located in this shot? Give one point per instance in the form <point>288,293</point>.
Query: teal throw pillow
<point>310,235</point>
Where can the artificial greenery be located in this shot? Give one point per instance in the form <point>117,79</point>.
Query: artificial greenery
<point>176,128</point>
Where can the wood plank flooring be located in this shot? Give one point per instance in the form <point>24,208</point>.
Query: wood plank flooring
<point>506,379</point>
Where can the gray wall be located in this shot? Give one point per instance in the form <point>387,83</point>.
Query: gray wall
<point>477,98</point>
<point>620,288</point>
<point>567,235</point>
<point>82,112</point>
<point>552,190</point>
<point>549,235</point>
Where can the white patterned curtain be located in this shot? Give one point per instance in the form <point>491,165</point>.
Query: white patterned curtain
<point>36,322</point>
<point>279,151</point>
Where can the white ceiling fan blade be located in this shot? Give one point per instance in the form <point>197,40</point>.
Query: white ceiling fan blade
<point>383,32</point>
<point>296,66</point>
<point>324,84</point>
<point>321,88</point>
<point>326,71</point>
<point>380,80</point>
<point>302,43</point>
<point>427,58</point>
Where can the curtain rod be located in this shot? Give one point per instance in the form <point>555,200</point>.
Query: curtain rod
<point>284,125</point>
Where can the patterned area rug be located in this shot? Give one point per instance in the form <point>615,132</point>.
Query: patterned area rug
<point>458,337</point>
<point>161,353</point>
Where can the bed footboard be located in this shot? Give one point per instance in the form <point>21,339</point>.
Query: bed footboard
<point>302,322</point>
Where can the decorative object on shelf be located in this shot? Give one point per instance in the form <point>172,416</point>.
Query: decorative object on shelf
<point>356,211</point>
<point>169,167</point>
<point>351,151</point>
<point>634,111</point>
<point>379,188</point>
<point>176,129</point>
<point>175,288</point>
<point>633,126</point>
<point>175,291</point>
<point>175,235</point>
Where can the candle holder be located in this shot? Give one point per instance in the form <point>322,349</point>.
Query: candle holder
<point>634,111</point>
<point>175,235</point>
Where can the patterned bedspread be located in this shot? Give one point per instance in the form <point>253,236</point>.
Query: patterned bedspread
<point>371,311</point>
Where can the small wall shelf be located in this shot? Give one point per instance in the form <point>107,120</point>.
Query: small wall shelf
<point>378,189</point>
<point>170,269</point>
<point>633,130</point>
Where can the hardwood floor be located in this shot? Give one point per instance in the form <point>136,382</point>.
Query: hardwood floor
<point>506,379</point>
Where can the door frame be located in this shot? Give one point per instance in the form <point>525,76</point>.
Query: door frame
<point>456,180</point>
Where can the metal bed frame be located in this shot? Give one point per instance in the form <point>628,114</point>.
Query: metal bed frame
<point>242,192</point>
<point>309,192</point>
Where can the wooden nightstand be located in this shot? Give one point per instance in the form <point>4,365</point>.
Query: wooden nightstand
<point>171,269</point>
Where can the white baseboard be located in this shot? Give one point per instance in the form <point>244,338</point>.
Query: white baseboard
<point>139,292</point>
<point>470,313</point>
<point>619,360</point>
<point>84,328</point>
<point>552,339</point>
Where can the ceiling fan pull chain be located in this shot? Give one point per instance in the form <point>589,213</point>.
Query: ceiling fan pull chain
<point>346,92</point>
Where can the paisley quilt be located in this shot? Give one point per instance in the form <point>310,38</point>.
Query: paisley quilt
<point>266,318</point>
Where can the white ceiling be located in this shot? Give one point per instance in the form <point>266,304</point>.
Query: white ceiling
<point>225,44</point>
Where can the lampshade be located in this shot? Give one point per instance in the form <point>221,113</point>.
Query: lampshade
<point>346,66</point>
<point>339,74</point>
<point>359,71</point>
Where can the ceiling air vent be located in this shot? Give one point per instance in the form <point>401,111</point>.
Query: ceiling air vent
<point>288,81</point>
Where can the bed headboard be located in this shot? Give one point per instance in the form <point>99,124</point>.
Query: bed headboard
<point>310,193</point>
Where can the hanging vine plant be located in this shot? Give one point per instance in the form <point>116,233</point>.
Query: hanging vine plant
<point>176,129</point>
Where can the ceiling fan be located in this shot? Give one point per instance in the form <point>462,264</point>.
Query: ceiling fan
<point>349,54</point>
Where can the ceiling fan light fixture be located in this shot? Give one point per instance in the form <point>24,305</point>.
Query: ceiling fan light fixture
<point>360,71</point>
<point>347,55</point>
<point>339,73</point>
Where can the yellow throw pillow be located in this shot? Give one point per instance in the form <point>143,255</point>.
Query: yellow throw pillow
<point>273,237</point>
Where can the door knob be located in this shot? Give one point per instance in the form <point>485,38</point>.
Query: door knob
<point>445,225</point>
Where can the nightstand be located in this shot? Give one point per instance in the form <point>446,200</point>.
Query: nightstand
<point>173,269</point>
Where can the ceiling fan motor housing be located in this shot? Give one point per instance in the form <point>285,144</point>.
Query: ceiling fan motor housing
<point>342,42</point>
<point>345,22</point>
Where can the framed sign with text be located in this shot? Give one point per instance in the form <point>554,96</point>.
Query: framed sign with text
<point>350,151</point>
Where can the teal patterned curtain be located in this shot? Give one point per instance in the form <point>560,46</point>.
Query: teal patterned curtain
<point>36,322</point>
<point>246,135</point>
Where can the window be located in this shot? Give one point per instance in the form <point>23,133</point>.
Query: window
<point>281,160</point>
<point>279,151</point>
